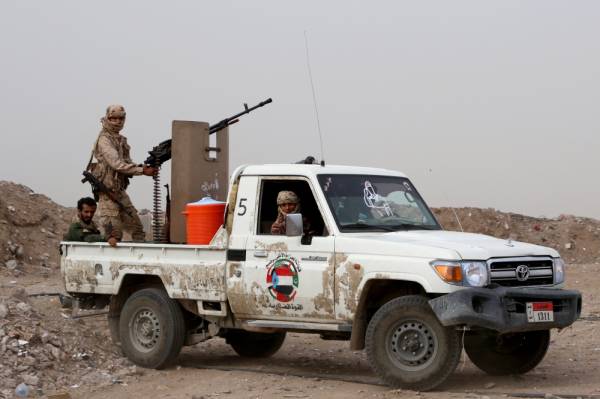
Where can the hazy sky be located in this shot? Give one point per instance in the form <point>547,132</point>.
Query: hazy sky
<point>481,103</point>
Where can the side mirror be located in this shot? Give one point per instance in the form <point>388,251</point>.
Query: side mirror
<point>293,225</point>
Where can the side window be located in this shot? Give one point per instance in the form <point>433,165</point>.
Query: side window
<point>269,210</point>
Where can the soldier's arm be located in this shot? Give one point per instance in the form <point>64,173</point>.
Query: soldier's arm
<point>77,233</point>
<point>108,153</point>
<point>94,238</point>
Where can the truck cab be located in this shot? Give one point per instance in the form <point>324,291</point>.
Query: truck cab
<point>341,217</point>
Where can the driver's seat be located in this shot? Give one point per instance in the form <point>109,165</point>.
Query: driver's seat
<point>351,209</point>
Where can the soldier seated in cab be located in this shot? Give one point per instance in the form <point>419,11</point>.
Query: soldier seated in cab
<point>288,203</point>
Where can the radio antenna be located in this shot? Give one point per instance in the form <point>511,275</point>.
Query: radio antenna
<point>312,85</point>
<point>451,207</point>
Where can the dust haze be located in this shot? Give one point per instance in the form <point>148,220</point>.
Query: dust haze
<point>486,104</point>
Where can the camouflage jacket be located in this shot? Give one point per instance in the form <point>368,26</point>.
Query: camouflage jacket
<point>79,231</point>
<point>114,167</point>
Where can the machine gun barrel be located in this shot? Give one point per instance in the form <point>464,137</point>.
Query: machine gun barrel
<point>162,152</point>
<point>234,119</point>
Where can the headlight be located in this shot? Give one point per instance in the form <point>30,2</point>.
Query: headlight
<point>559,271</point>
<point>475,273</point>
<point>469,273</point>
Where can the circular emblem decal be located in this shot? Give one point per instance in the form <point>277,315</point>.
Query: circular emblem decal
<point>522,272</point>
<point>282,278</point>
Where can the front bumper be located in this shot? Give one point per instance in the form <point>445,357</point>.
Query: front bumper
<point>504,309</point>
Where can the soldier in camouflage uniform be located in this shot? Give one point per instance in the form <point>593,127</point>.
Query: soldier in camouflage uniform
<point>84,229</point>
<point>114,168</point>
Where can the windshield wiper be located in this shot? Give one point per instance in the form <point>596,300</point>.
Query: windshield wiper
<point>410,226</point>
<point>366,226</point>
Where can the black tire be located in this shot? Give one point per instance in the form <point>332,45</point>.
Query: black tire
<point>407,346</point>
<point>504,354</point>
<point>151,328</point>
<point>114,313</point>
<point>252,344</point>
<point>113,328</point>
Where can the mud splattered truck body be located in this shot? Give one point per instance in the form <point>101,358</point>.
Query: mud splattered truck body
<point>366,261</point>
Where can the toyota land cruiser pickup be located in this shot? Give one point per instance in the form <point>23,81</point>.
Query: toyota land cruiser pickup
<point>365,260</point>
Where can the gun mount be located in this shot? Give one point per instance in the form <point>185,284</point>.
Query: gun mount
<point>162,152</point>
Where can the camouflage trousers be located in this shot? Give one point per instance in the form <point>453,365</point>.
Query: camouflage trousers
<point>112,217</point>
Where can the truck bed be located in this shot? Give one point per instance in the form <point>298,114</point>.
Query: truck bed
<point>187,271</point>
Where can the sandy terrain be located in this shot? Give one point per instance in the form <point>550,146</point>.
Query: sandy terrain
<point>306,366</point>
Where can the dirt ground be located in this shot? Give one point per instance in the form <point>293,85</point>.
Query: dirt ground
<point>305,367</point>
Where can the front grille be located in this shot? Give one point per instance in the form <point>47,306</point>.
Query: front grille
<point>504,271</point>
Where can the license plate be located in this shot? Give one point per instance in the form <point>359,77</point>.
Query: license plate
<point>540,312</point>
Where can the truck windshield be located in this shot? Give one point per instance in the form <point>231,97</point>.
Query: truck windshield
<point>376,203</point>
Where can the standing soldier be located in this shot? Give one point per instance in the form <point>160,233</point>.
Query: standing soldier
<point>114,169</point>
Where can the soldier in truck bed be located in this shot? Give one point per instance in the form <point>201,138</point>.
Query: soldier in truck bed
<point>85,229</point>
<point>114,169</point>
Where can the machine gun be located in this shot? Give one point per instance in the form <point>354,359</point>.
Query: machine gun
<point>162,152</point>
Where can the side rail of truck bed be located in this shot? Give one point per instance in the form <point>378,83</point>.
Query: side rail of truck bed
<point>186,271</point>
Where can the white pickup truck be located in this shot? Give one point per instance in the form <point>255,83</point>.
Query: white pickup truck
<point>365,261</point>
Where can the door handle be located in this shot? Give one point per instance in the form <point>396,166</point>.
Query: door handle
<point>261,253</point>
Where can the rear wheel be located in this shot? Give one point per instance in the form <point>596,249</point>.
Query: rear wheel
<point>407,346</point>
<point>151,328</point>
<point>252,344</point>
<point>503,354</point>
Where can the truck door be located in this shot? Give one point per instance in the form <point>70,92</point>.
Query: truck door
<point>288,278</point>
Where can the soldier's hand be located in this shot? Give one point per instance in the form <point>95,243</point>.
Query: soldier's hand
<point>276,228</point>
<point>112,241</point>
<point>148,170</point>
<point>117,234</point>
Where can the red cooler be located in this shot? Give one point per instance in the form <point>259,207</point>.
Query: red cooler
<point>203,220</point>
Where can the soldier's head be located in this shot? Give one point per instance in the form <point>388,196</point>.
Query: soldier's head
<point>86,207</point>
<point>288,202</point>
<point>114,120</point>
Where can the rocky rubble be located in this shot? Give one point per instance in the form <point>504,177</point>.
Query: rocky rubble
<point>31,226</point>
<point>42,347</point>
<point>577,239</point>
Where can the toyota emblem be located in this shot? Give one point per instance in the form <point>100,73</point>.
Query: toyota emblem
<point>522,272</point>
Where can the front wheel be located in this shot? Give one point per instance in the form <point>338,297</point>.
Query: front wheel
<point>407,346</point>
<point>252,344</point>
<point>151,328</point>
<point>503,354</point>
